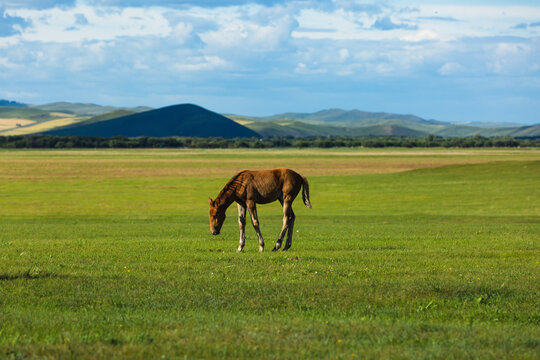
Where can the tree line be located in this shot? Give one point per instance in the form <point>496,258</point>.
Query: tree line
<point>63,142</point>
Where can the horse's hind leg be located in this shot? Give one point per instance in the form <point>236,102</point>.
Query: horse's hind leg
<point>255,221</point>
<point>286,206</point>
<point>290,230</point>
<point>288,222</point>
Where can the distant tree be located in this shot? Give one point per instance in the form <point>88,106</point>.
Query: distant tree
<point>48,141</point>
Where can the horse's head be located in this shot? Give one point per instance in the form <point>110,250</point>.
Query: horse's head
<point>216,216</point>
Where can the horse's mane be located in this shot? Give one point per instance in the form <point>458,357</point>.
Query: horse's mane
<point>232,184</point>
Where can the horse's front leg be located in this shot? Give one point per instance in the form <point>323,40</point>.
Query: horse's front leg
<point>242,225</point>
<point>255,221</point>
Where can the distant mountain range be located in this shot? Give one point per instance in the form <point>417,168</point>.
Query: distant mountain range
<point>340,122</point>
<point>63,118</point>
<point>344,117</point>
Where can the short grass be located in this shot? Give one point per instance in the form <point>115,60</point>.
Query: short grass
<point>405,254</point>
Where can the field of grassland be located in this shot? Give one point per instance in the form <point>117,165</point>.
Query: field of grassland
<point>406,254</point>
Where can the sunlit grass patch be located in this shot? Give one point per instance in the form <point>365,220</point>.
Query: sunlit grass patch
<point>10,123</point>
<point>64,120</point>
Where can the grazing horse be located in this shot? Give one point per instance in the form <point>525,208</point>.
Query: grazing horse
<point>249,188</point>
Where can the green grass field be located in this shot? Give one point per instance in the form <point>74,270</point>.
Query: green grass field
<point>406,254</point>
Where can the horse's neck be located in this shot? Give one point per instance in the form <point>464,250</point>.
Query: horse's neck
<point>226,197</point>
<point>229,194</point>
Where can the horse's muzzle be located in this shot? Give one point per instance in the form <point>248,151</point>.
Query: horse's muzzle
<point>215,232</point>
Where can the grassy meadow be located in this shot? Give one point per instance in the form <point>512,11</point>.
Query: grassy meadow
<point>420,253</point>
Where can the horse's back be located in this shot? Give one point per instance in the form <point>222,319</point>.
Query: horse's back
<point>264,186</point>
<point>277,177</point>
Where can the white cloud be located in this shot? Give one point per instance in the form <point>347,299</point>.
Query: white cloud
<point>234,32</point>
<point>384,69</point>
<point>450,68</point>
<point>181,32</point>
<point>343,54</point>
<point>421,35</point>
<point>512,49</point>
<point>304,69</point>
<point>64,25</point>
<point>444,22</point>
<point>511,58</point>
<point>8,41</point>
<point>6,64</point>
<point>201,63</point>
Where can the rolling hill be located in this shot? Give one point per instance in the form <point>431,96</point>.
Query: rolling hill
<point>107,116</point>
<point>337,122</point>
<point>339,116</point>
<point>175,120</point>
<point>301,129</point>
<point>35,115</point>
<point>84,109</point>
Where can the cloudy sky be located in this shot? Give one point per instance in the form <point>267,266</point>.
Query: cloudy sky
<point>473,60</point>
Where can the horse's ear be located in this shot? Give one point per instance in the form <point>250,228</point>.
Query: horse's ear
<point>210,201</point>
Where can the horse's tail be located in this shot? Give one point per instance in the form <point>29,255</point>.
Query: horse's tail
<point>305,192</point>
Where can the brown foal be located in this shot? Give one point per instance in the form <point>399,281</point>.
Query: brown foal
<point>249,188</point>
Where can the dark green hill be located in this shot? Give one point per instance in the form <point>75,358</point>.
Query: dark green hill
<point>176,120</point>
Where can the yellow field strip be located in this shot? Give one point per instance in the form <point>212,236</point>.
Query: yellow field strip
<point>243,122</point>
<point>59,114</point>
<point>106,164</point>
<point>10,123</point>
<point>44,126</point>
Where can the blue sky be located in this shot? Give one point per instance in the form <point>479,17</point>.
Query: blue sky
<point>454,61</point>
